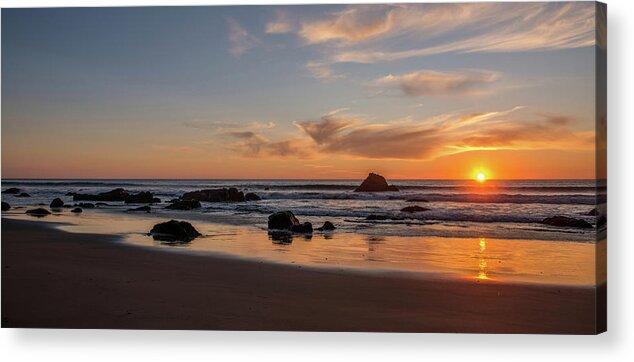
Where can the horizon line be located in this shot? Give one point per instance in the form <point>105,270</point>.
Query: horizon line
<point>289,179</point>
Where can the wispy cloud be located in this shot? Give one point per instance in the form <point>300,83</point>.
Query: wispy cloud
<point>337,134</point>
<point>435,83</point>
<point>254,145</point>
<point>240,39</point>
<point>360,34</point>
<point>322,71</point>
<point>221,126</point>
<point>350,25</point>
<point>281,25</point>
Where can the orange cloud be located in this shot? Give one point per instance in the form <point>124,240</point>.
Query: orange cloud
<point>352,24</point>
<point>426,140</point>
<point>434,83</point>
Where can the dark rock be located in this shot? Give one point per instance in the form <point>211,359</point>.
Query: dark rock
<point>375,183</point>
<point>304,228</point>
<point>38,212</point>
<point>327,226</point>
<point>86,205</point>
<point>184,205</point>
<point>602,220</point>
<point>12,191</point>
<point>592,212</point>
<point>144,197</point>
<point>252,197</point>
<point>57,203</point>
<point>565,221</point>
<point>118,194</point>
<point>142,208</point>
<point>101,204</point>
<point>416,200</point>
<point>70,194</point>
<point>24,194</point>
<point>215,195</point>
<point>5,206</point>
<point>282,220</point>
<point>174,230</point>
<point>414,209</point>
<point>77,210</point>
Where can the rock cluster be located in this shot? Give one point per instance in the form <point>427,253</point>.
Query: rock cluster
<point>219,195</point>
<point>119,194</point>
<point>565,221</point>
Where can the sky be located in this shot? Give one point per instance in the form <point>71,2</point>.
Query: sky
<point>412,91</point>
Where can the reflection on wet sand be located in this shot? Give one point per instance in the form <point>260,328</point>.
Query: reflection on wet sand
<point>482,271</point>
<point>550,262</point>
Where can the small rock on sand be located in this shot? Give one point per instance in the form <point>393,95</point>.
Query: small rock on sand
<point>39,212</point>
<point>174,230</point>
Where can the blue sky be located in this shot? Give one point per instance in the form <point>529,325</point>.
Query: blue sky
<point>195,86</point>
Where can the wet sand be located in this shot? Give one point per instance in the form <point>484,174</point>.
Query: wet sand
<point>55,279</point>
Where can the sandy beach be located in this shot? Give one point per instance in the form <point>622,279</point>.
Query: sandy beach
<point>55,279</point>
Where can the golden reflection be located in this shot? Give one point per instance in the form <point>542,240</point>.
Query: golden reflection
<point>482,267</point>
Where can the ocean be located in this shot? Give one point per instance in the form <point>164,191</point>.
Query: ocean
<point>463,216</point>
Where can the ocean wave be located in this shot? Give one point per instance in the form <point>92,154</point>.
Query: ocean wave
<point>578,199</point>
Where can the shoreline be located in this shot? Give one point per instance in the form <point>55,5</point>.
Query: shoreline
<point>56,279</point>
<point>294,258</point>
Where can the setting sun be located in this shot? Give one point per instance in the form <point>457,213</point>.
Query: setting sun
<point>481,177</point>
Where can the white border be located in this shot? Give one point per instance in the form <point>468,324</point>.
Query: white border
<point>616,344</point>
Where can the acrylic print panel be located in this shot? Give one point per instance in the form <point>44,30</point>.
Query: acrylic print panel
<point>389,168</point>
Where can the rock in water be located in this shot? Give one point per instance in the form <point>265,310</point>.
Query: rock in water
<point>375,183</point>
<point>114,195</point>
<point>183,205</point>
<point>602,220</point>
<point>565,221</point>
<point>592,212</point>
<point>38,212</point>
<point>12,191</point>
<point>57,203</point>
<point>144,197</point>
<point>174,230</point>
<point>77,210</point>
<point>215,195</point>
<point>252,197</point>
<point>282,220</point>
<point>413,209</point>
<point>328,226</point>
<point>24,194</point>
<point>304,228</point>
<point>5,206</point>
